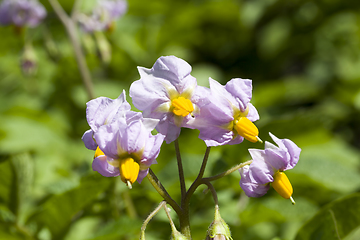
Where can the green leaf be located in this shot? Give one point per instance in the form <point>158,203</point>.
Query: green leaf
<point>57,212</point>
<point>8,186</point>
<point>334,221</point>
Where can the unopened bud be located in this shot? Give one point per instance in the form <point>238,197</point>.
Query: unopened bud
<point>218,229</point>
<point>28,61</point>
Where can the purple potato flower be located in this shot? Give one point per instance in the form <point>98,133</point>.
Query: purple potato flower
<point>267,164</point>
<point>228,104</point>
<point>102,111</point>
<point>104,13</point>
<point>21,12</point>
<point>169,93</point>
<point>123,140</point>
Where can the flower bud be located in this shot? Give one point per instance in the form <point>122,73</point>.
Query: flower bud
<point>218,229</point>
<point>28,61</point>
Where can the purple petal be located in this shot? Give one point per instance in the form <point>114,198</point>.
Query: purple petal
<point>152,148</point>
<point>260,169</point>
<point>215,136</point>
<point>172,68</point>
<point>102,110</point>
<point>107,138</point>
<point>88,140</point>
<point>149,93</point>
<point>101,165</point>
<point>276,158</point>
<point>222,98</point>
<point>169,129</point>
<point>5,12</point>
<point>249,185</point>
<point>241,90</point>
<point>134,137</point>
<point>142,174</point>
<point>291,149</point>
<point>253,114</point>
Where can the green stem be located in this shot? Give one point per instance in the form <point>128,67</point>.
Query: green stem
<point>198,180</point>
<point>185,217</point>
<point>75,42</point>
<point>181,171</point>
<point>162,191</point>
<point>147,220</point>
<point>173,228</point>
<point>231,170</point>
<point>212,190</point>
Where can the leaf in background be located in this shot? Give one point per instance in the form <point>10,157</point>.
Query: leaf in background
<point>58,211</point>
<point>124,228</point>
<point>333,164</point>
<point>334,221</point>
<point>8,186</point>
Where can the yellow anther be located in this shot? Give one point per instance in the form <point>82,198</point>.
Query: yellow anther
<point>182,106</point>
<point>129,171</point>
<point>98,152</point>
<point>283,186</point>
<point>247,129</point>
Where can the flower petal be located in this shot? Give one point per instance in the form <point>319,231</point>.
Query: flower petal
<point>261,170</point>
<point>101,165</point>
<point>102,110</point>
<point>89,140</point>
<point>241,90</point>
<point>293,151</point>
<point>249,185</point>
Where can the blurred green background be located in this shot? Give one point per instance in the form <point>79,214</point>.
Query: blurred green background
<point>304,59</point>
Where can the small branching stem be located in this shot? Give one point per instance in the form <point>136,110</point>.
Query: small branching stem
<point>151,215</point>
<point>183,210</point>
<point>70,27</point>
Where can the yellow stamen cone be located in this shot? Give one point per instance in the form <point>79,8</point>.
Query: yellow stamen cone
<point>129,171</point>
<point>283,186</point>
<point>247,129</point>
<point>182,106</point>
<point>98,152</point>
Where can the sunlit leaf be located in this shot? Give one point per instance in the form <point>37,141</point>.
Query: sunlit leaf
<point>334,221</point>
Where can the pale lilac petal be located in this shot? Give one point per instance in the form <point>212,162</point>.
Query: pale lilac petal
<point>276,158</point>
<point>215,136</point>
<point>249,185</point>
<point>152,148</point>
<point>134,137</point>
<point>169,129</point>
<point>171,68</point>
<point>107,138</point>
<point>253,114</point>
<point>260,169</point>
<point>103,110</point>
<point>293,151</point>
<point>101,165</point>
<point>149,93</point>
<point>222,98</point>
<point>131,116</point>
<point>22,12</point>
<point>236,140</point>
<point>150,123</point>
<point>142,174</point>
<point>88,140</point>
<point>241,90</point>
